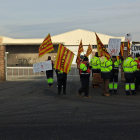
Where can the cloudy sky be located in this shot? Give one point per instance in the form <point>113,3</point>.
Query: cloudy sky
<point>37,18</point>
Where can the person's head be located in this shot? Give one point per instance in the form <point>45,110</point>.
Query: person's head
<point>49,57</point>
<point>81,57</point>
<point>138,56</point>
<point>96,54</point>
<point>113,58</point>
<point>85,59</point>
<point>130,55</point>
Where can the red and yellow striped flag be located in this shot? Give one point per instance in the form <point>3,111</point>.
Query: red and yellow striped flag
<point>64,59</point>
<point>46,46</point>
<point>89,50</point>
<point>102,51</point>
<point>128,47</point>
<point>122,48</point>
<point>80,50</point>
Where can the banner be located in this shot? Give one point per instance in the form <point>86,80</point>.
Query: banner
<point>64,59</point>
<point>114,46</point>
<point>42,66</point>
<point>135,49</point>
<point>46,46</point>
<point>89,50</point>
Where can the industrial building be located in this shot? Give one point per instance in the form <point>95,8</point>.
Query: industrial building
<point>25,51</point>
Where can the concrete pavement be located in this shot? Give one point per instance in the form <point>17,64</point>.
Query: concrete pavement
<point>30,110</point>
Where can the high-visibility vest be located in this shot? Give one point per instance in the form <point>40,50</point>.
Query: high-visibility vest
<point>83,70</point>
<point>106,67</point>
<point>129,67</point>
<point>115,66</point>
<point>138,63</point>
<point>96,64</point>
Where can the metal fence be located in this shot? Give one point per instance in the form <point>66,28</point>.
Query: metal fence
<point>28,71</point>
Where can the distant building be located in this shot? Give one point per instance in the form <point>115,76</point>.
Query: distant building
<point>25,51</point>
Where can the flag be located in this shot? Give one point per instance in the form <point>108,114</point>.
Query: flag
<point>64,59</point>
<point>89,50</point>
<point>128,47</point>
<point>117,57</point>
<point>80,50</point>
<point>102,51</point>
<point>46,46</point>
<point>122,48</point>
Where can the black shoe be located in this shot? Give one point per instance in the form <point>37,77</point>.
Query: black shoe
<point>127,94</point>
<point>58,93</point>
<point>64,93</point>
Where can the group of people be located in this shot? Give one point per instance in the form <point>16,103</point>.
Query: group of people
<point>109,70</point>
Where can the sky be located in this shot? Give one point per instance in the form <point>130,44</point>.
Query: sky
<point>37,18</point>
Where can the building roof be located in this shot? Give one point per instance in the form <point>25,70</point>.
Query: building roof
<point>68,38</point>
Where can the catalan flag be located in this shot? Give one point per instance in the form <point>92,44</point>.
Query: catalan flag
<point>46,46</point>
<point>128,47</point>
<point>102,51</point>
<point>122,48</point>
<point>89,50</point>
<point>117,57</point>
<point>80,50</point>
<point>64,59</point>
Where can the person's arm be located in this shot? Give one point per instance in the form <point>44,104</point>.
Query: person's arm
<point>109,65</point>
<point>83,67</point>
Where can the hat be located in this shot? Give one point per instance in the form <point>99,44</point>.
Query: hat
<point>85,58</point>
<point>113,56</point>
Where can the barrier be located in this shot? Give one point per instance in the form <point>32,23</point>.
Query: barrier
<point>28,71</point>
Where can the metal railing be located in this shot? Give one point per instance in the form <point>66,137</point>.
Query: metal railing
<point>28,71</point>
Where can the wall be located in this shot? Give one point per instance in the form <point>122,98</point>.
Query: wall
<point>2,63</point>
<point>24,55</point>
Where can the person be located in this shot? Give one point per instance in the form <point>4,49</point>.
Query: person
<point>95,63</point>
<point>84,76</point>
<point>137,82</point>
<point>78,64</point>
<point>49,74</point>
<point>106,67</point>
<point>62,80</point>
<point>114,74</point>
<point>129,68</point>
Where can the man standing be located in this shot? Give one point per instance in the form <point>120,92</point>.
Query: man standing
<point>106,67</point>
<point>95,63</point>
<point>137,82</point>
<point>129,68</point>
<point>49,74</point>
<point>84,76</point>
<point>62,79</point>
<point>114,74</point>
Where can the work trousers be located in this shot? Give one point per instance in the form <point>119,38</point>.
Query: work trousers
<point>129,85</point>
<point>105,86</point>
<point>49,75</point>
<point>62,82</point>
<point>85,86</point>
<point>113,83</point>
